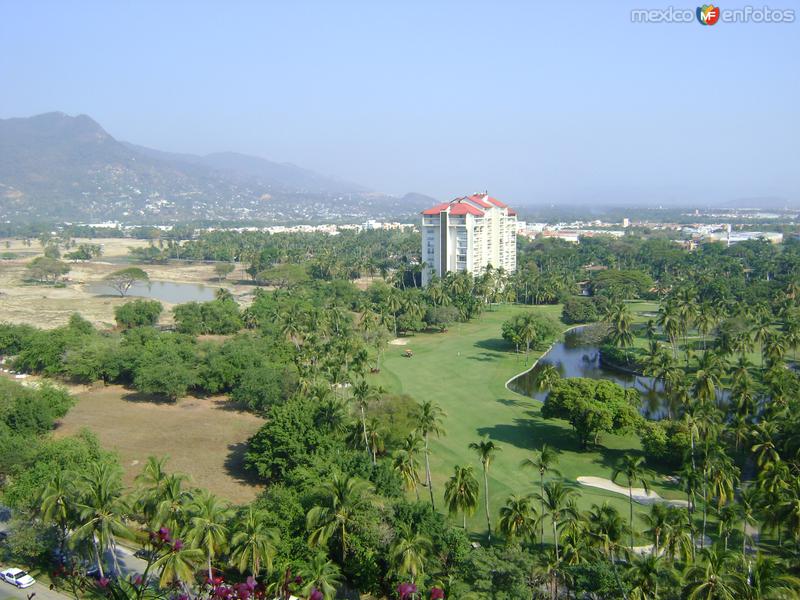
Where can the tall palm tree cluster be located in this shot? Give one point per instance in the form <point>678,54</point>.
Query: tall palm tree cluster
<point>191,539</point>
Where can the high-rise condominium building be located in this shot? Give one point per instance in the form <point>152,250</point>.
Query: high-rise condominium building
<point>468,234</point>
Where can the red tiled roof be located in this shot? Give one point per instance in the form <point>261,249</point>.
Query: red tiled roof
<point>496,202</point>
<point>512,212</point>
<point>480,200</point>
<point>468,205</point>
<point>435,210</point>
<point>462,208</point>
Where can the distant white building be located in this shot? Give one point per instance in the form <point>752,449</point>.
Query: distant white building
<point>467,235</point>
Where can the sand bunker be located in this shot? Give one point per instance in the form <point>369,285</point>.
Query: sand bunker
<point>639,494</point>
<point>399,342</point>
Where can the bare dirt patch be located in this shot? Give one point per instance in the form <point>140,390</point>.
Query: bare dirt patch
<point>399,342</point>
<point>49,306</point>
<point>204,437</point>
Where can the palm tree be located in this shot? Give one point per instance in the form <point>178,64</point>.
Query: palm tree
<point>546,377</point>
<point>173,503</point>
<point>461,492</point>
<point>748,504</point>
<point>633,470</point>
<point>768,580</point>
<point>606,526</point>
<point>429,422</point>
<point>715,575</point>
<point>669,321</point>
<point>363,394</point>
<point>518,518</point>
<point>101,509</point>
<point>658,523</point>
<point>253,543</point>
<point>619,322</point>
<point>151,480</point>
<point>56,503</point>
<point>555,502</point>
<point>543,462</point>
<point>408,553</point>
<point>208,526</point>
<point>707,377</point>
<point>394,303</point>
<point>486,449</point>
<point>178,564</point>
<point>323,575</point>
<point>761,331</point>
<point>404,461</point>
<point>340,500</point>
<point>644,576</point>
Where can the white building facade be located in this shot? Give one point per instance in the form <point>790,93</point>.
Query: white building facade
<point>467,235</point>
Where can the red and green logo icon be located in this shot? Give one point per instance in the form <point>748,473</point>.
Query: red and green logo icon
<point>708,14</point>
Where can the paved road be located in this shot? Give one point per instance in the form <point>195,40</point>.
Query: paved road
<point>128,564</point>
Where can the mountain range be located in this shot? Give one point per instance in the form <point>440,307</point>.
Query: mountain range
<point>58,167</point>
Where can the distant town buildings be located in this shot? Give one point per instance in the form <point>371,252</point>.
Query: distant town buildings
<point>467,235</point>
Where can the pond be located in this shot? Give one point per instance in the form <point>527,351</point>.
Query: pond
<point>166,291</point>
<point>578,355</point>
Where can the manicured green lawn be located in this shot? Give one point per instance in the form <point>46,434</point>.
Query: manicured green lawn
<point>465,371</point>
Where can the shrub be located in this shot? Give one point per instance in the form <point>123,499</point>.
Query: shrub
<point>665,441</point>
<point>579,310</point>
<point>138,313</point>
<point>217,317</point>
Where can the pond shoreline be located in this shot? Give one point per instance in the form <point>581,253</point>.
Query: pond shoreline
<point>536,362</point>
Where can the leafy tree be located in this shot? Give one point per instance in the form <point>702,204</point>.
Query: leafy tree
<point>592,406</point>
<point>94,360</point>
<point>215,317</point>
<point>579,310</point>
<point>123,279</point>
<point>223,269</point>
<point>47,269</point>
<point>138,313</point>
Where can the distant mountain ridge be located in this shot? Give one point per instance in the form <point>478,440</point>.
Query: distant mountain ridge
<point>55,166</point>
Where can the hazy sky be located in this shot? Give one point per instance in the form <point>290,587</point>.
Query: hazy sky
<point>538,102</point>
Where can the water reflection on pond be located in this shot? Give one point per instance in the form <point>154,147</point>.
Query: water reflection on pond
<point>578,355</point>
<point>166,291</point>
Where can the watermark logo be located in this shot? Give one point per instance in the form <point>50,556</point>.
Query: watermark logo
<point>708,14</point>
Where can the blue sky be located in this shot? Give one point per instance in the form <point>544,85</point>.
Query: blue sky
<point>540,103</point>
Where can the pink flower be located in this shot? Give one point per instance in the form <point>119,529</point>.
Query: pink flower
<point>437,594</point>
<point>137,581</point>
<point>315,594</point>
<point>163,534</point>
<point>405,590</point>
<point>103,582</point>
<point>251,583</point>
<point>178,545</point>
